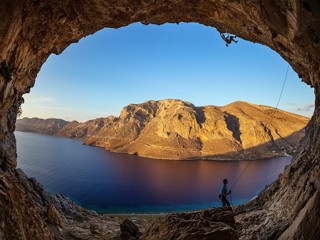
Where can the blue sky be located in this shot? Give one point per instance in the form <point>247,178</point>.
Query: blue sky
<point>112,68</point>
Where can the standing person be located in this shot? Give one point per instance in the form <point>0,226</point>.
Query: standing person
<point>223,193</point>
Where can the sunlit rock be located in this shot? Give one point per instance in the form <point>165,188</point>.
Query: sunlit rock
<point>31,30</point>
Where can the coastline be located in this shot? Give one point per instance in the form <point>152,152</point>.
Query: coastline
<point>234,157</point>
<point>140,206</point>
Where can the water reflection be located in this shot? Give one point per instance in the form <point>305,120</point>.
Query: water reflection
<point>107,181</point>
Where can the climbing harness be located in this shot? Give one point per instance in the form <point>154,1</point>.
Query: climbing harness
<point>224,36</point>
<point>228,38</point>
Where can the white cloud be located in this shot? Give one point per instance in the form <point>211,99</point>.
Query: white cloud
<point>307,108</point>
<point>41,99</point>
<point>291,104</point>
<point>53,108</point>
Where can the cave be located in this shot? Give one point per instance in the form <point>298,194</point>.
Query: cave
<point>31,30</point>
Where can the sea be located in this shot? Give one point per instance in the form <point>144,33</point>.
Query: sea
<point>120,183</point>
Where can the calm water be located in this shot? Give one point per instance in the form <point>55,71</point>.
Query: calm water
<point>109,182</point>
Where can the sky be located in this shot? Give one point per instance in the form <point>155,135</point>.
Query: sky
<point>112,68</point>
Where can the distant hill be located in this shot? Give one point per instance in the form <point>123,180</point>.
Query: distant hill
<point>174,129</point>
<point>49,126</point>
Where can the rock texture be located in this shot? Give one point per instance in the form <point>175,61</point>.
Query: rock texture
<point>20,217</point>
<point>53,216</point>
<point>81,130</point>
<point>29,212</point>
<point>174,129</point>
<point>48,126</point>
<point>31,30</point>
<point>213,224</point>
<point>129,231</point>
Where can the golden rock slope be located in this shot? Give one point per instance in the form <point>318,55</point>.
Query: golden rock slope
<point>175,129</point>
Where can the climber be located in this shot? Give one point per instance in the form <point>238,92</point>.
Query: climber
<point>228,38</point>
<point>223,193</point>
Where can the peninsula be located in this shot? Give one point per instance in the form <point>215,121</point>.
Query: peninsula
<point>178,130</point>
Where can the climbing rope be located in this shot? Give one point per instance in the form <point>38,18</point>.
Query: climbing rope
<point>283,85</point>
<point>276,108</point>
<point>249,162</point>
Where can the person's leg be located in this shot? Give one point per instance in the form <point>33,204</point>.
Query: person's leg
<point>232,39</point>
<point>224,201</point>
<point>227,202</point>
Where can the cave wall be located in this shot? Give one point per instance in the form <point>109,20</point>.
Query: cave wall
<point>31,30</point>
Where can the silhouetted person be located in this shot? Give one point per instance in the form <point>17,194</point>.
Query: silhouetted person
<point>228,38</point>
<point>223,193</point>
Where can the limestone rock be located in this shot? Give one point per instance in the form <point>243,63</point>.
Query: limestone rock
<point>127,227</point>
<point>21,217</point>
<point>35,189</point>
<point>95,229</point>
<point>53,216</point>
<point>75,129</point>
<point>31,30</point>
<point>210,224</point>
<point>174,129</point>
<point>43,126</point>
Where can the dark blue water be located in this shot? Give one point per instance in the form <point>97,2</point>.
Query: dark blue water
<point>110,182</point>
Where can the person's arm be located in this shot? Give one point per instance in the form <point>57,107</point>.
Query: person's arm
<point>224,191</point>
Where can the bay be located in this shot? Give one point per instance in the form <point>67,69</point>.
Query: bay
<point>119,183</point>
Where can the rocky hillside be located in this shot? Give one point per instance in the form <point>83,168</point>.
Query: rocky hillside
<point>174,129</point>
<point>49,126</point>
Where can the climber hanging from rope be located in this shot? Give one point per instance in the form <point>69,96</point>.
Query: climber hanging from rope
<point>228,38</point>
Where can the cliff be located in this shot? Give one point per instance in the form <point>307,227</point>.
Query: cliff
<point>30,31</point>
<point>44,126</point>
<point>174,129</point>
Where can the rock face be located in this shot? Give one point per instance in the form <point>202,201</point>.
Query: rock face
<point>31,30</point>
<point>174,129</point>
<point>53,216</point>
<point>20,217</point>
<point>81,130</point>
<point>129,230</point>
<point>49,126</point>
<point>211,224</point>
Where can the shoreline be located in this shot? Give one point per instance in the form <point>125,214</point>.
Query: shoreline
<point>205,158</point>
<point>155,208</point>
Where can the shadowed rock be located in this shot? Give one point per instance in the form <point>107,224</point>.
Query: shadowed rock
<point>129,231</point>
<point>213,224</point>
<point>31,30</point>
<point>44,126</point>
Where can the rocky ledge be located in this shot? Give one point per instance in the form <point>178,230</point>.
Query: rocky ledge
<point>212,224</point>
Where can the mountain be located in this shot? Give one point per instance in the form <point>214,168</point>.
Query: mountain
<point>49,126</point>
<point>175,129</point>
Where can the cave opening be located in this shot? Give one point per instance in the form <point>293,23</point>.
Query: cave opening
<point>32,30</point>
<point>104,72</point>
<point>138,63</point>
